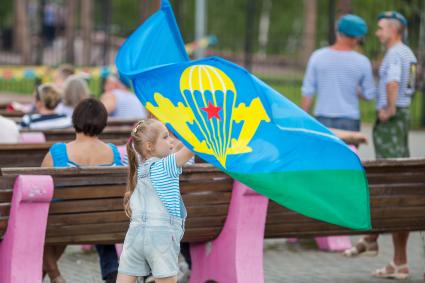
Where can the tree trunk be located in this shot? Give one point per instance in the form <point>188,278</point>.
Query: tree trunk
<point>70,31</point>
<point>22,40</point>
<point>263,34</point>
<point>309,35</point>
<point>249,33</point>
<point>86,26</point>
<point>344,7</point>
<point>331,22</point>
<point>420,78</point>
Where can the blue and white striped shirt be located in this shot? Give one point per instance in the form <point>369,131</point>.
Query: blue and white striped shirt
<point>128,106</point>
<point>399,65</point>
<point>164,175</point>
<point>336,76</point>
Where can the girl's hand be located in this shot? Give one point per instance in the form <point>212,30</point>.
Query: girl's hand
<point>183,155</point>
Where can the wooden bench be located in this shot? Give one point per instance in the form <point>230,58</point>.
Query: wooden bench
<point>112,122</point>
<point>10,114</point>
<point>28,154</point>
<point>225,227</point>
<point>109,133</point>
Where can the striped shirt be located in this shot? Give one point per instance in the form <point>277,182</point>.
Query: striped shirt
<point>45,122</point>
<point>336,76</point>
<point>128,106</point>
<point>399,65</point>
<point>164,176</point>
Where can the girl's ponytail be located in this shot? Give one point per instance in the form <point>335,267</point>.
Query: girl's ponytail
<point>142,132</point>
<point>132,175</point>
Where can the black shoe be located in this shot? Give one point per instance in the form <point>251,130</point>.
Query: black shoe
<point>112,277</point>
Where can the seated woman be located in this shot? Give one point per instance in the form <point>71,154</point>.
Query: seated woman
<point>120,102</point>
<point>47,97</point>
<point>89,120</point>
<point>75,89</point>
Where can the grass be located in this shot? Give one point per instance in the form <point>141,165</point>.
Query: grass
<point>289,86</point>
<point>292,90</point>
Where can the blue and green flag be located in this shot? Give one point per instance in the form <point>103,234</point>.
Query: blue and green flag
<point>241,125</point>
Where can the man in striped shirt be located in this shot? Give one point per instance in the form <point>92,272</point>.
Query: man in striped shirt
<point>335,74</point>
<point>390,132</point>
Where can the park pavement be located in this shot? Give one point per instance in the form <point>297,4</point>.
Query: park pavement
<point>296,263</point>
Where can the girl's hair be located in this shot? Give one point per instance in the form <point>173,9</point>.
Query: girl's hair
<point>75,90</point>
<point>49,95</point>
<point>144,132</point>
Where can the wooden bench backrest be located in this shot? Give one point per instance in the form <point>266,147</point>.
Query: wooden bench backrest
<point>118,133</point>
<point>87,205</point>
<point>397,197</point>
<point>28,155</point>
<point>90,210</point>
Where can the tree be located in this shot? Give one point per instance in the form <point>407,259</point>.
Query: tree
<point>309,35</point>
<point>70,30</point>
<point>86,26</point>
<point>22,40</point>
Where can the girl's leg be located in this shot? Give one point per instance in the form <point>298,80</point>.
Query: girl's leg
<point>172,279</point>
<point>122,278</point>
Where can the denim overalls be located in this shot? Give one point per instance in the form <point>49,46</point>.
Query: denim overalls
<point>152,242</point>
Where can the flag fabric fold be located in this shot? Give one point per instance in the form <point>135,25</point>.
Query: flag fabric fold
<point>241,125</point>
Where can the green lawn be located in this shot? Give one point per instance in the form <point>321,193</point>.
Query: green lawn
<point>292,90</point>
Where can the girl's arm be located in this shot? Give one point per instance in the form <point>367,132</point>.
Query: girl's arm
<point>183,155</point>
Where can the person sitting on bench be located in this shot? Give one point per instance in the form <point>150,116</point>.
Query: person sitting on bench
<point>89,119</point>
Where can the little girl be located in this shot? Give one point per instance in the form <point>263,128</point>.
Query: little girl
<point>154,204</point>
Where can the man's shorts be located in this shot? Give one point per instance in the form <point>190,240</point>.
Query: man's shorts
<point>391,138</point>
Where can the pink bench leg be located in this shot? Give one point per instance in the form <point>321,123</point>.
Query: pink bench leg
<point>21,250</point>
<point>237,253</point>
<point>333,243</point>
<point>118,248</point>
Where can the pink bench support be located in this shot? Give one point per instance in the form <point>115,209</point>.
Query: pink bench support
<point>237,253</point>
<point>21,250</point>
<point>32,137</point>
<point>333,243</point>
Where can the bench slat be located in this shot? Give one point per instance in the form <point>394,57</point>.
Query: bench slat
<point>191,235</point>
<point>88,192</point>
<point>4,209</point>
<point>5,195</point>
<point>89,217</point>
<point>77,206</point>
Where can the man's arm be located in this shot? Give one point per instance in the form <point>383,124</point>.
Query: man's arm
<point>108,99</point>
<point>309,86</point>
<point>389,111</point>
<point>368,83</point>
<point>306,102</point>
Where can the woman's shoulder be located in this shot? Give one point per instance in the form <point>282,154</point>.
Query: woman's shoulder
<point>58,154</point>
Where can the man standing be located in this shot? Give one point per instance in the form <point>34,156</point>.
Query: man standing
<point>336,74</point>
<point>390,132</point>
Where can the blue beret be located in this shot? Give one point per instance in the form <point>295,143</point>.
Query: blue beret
<point>352,26</point>
<point>393,15</point>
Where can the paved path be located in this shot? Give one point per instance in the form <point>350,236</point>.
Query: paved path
<point>295,263</point>
<point>289,263</point>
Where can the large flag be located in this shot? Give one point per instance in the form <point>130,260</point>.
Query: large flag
<point>241,125</point>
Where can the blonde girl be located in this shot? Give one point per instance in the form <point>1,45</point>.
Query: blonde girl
<point>153,203</point>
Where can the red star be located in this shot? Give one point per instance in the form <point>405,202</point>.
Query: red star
<point>212,110</point>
